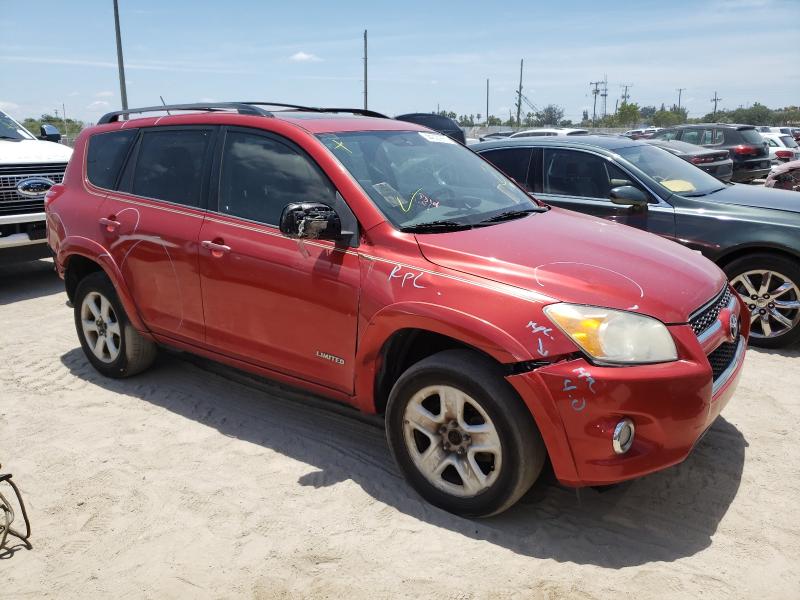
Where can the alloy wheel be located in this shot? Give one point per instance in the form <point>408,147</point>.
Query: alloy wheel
<point>773,300</point>
<point>101,328</point>
<point>452,441</point>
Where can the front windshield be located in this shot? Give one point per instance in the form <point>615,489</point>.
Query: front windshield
<point>419,177</point>
<point>11,130</point>
<point>670,172</point>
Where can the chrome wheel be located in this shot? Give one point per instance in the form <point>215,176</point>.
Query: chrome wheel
<point>101,328</point>
<point>452,441</point>
<point>773,300</point>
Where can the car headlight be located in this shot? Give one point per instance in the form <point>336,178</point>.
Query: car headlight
<point>614,336</point>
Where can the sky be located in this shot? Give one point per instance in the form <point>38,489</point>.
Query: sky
<point>423,54</point>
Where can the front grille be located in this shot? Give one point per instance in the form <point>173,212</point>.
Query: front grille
<point>721,358</point>
<point>14,203</point>
<point>706,316</point>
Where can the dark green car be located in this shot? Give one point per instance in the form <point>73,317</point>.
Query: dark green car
<point>752,233</point>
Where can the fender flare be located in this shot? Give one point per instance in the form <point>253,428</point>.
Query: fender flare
<point>87,248</point>
<point>444,320</point>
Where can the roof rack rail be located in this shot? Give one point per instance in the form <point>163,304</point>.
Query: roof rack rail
<point>356,111</point>
<point>242,108</point>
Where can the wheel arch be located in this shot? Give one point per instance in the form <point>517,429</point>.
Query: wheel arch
<point>401,335</point>
<point>741,251</point>
<point>80,257</point>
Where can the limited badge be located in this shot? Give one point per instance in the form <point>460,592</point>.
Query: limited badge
<point>733,324</point>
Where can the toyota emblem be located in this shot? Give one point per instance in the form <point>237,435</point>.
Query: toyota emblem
<point>733,324</point>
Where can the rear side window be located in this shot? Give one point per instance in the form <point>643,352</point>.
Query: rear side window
<point>169,165</point>
<point>260,176</point>
<point>666,135</point>
<point>788,141</point>
<point>513,162</point>
<point>106,155</point>
<point>691,136</point>
<point>712,137</point>
<point>751,136</point>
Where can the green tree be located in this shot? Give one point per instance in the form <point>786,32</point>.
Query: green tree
<point>666,118</point>
<point>647,113</point>
<point>628,114</point>
<point>494,121</point>
<point>70,129</point>
<point>550,115</point>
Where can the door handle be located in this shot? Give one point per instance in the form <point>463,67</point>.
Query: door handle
<point>217,250</point>
<point>110,223</point>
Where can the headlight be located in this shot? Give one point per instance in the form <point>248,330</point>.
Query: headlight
<point>614,336</point>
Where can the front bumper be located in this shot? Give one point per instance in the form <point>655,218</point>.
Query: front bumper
<point>671,404</point>
<point>22,238</point>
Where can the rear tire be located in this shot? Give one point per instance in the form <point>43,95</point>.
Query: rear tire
<point>461,435</point>
<point>107,337</point>
<point>775,319</point>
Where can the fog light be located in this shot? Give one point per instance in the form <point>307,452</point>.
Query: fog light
<point>623,436</point>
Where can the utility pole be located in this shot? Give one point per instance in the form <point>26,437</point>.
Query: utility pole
<point>604,93</point>
<point>123,92</point>
<point>64,116</point>
<point>519,93</point>
<point>595,91</point>
<point>715,100</point>
<point>365,69</point>
<point>680,91</point>
<point>487,102</point>
<point>625,94</point>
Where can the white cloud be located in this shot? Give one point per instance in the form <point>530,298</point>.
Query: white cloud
<point>74,94</point>
<point>104,94</point>
<point>8,106</point>
<point>97,105</point>
<point>304,57</point>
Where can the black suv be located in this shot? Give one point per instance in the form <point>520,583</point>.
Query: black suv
<point>747,148</point>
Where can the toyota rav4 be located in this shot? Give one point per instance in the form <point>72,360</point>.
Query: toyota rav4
<point>385,266</point>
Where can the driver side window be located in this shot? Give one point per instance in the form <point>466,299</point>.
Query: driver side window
<point>576,173</point>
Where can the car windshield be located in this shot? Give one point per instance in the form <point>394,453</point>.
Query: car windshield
<point>670,172</point>
<point>420,177</point>
<point>11,130</point>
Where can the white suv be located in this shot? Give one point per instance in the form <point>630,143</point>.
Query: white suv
<point>28,168</point>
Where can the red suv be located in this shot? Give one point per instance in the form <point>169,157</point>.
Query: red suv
<point>387,267</point>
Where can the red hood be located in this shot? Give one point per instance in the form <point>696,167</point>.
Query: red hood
<point>585,260</point>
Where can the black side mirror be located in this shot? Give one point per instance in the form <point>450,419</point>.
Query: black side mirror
<point>310,221</point>
<point>49,133</point>
<point>627,195</point>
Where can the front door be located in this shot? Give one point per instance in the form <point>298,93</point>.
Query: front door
<point>582,181</point>
<point>284,304</point>
<point>152,225</point>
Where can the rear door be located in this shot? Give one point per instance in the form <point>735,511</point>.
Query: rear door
<point>513,162</point>
<point>152,223</point>
<point>581,181</point>
<point>280,303</point>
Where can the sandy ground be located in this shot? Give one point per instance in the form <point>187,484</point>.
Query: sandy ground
<point>184,483</point>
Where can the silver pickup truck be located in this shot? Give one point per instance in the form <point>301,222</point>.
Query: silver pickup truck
<point>29,166</point>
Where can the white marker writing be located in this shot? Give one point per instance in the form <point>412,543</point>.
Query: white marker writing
<point>406,277</point>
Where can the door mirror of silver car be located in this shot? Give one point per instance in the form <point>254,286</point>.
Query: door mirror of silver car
<point>627,195</point>
<point>49,133</point>
<point>310,221</point>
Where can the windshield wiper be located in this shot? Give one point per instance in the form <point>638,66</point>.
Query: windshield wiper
<point>698,194</point>
<point>513,214</point>
<point>435,226</point>
<point>10,137</point>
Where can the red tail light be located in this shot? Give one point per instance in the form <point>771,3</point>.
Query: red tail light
<point>743,150</point>
<point>784,154</point>
<point>699,160</point>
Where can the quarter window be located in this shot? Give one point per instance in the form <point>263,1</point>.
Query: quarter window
<point>575,173</point>
<point>169,165</point>
<point>260,176</point>
<point>106,155</point>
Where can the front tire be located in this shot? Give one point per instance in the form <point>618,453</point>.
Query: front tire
<point>461,435</point>
<point>107,337</point>
<point>769,285</point>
